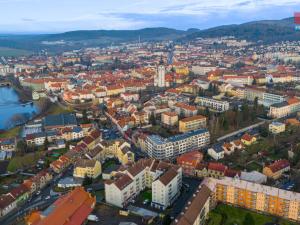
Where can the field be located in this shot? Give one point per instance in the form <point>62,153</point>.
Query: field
<point>229,215</point>
<point>13,52</point>
<point>11,133</point>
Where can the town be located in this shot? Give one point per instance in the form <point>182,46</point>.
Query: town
<point>153,133</point>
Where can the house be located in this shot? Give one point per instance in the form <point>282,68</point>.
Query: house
<point>237,144</point>
<point>276,169</point>
<point>216,170</point>
<point>216,152</point>
<point>189,162</point>
<point>87,168</point>
<point>8,144</point>
<point>39,181</point>
<point>248,139</point>
<point>276,127</point>
<point>69,182</point>
<point>7,204</point>
<point>228,148</point>
<point>20,193</point>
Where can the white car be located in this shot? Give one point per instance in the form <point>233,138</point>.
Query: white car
<point>48,197</point>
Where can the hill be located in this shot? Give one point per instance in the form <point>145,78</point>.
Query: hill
<point>264,30</point>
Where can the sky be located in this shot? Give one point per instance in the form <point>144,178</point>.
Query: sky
<point>53,16</point>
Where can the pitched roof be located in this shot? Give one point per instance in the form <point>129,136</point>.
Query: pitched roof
<point>279,165</point>
<point>167,177</point>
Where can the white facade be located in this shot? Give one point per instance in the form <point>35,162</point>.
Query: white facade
<point>166,148</point>
<point>159,79</point>
<point>216,154</point>
<point>214,104</point>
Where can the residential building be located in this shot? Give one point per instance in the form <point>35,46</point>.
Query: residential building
<point>169,118</point>
<point>165,179</point>
<point>87,168</point>
<point>72,208</point>
<point>276,127</point>
<point>189,162</point>
<point>166,148</point>
<point>285,108</point>
<point>216,105</point>
<point>185,110</point>
<point>216,152</point>
<point>192,123</point>
<point>276,169</point>
<point>248,139</point>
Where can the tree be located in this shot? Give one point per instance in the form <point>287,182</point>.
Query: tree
<point>254,82</point>
<point>248,220</point>
<point>87,181</point>
<point>167,220</point>
<point>152,119</point>
<point>21,146</point>
<point>225,123</point>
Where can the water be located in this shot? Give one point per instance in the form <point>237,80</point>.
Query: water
<point>12,111</point>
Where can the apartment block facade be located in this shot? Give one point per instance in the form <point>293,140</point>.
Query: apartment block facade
<point>192,123</point>
<point>166,148</point>
<point>211,103</point>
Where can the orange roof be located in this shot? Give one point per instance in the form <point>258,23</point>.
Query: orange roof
<point>192,118</point>
<point>71,209</point>
<point>293,101</point>
<point>247,137</point>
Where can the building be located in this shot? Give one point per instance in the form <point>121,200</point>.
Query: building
<point>87,168</point>
<point>189,162</point>
<point>236,192</point>
<point>166,148</point>
<point>185,110</point>
<point>165,179</point>
<point>60,121</point>
<point>276,169</point>
<point>216,105</point>
<point>248,139</point>
<point>197,208</point>
<point>285,108</point>
<point>169,119</point>
<point>192,123</point>
<point>72,208</point>
<point>216,152</point>
<point>276,127</point>
<point>166,188</point>
<point>159,79</point>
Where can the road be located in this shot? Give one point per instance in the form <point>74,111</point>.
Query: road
<point>36,201</point>
<point>240,131</point>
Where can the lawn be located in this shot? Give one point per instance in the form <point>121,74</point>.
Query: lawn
<point>11,133</point>
<point>56,109</point>
<point>147,195</point>
<point>229,215</point>
<point>254,166</point>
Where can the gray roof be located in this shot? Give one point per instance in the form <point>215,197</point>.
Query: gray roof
<point>60,120</point>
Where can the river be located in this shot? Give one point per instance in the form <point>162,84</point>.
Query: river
<point>12,110</point>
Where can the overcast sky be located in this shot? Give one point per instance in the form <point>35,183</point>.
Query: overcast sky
<point>49,16</point>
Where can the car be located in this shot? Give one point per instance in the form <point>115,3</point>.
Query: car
<point>39,192</point>
<point>47,197</point>
<point>146,201</point>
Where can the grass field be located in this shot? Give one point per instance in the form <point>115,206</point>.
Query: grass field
<point>229,215</point>
<point>11,133</point>
<point>56,109</point>
<point>13,52</point>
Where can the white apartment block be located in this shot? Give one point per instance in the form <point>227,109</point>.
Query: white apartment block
<point>165,180</point>
<point>214,104</point>
<point>166,148</point>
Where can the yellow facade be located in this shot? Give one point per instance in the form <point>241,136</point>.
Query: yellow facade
<point>248,142</point>
<point>182,70</point>
<point>92,172</point>
<point>192,123</point>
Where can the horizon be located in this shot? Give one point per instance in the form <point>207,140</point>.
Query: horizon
<point>49,17</point>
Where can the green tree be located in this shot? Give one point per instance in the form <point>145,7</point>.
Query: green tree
<point>152,119</point>
<point>248,220</point>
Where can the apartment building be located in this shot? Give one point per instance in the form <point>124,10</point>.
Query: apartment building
<point>166,148</point>
<point>285,108</point>
<point>217,105</point>
<point>163,178</point>
<point>259,197</point>
<point>276,169</point>
<point>185,109</point>
<point>240,193</point>
<point>87,168</point>
<point>169,118</point>
<point>192,123</point>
